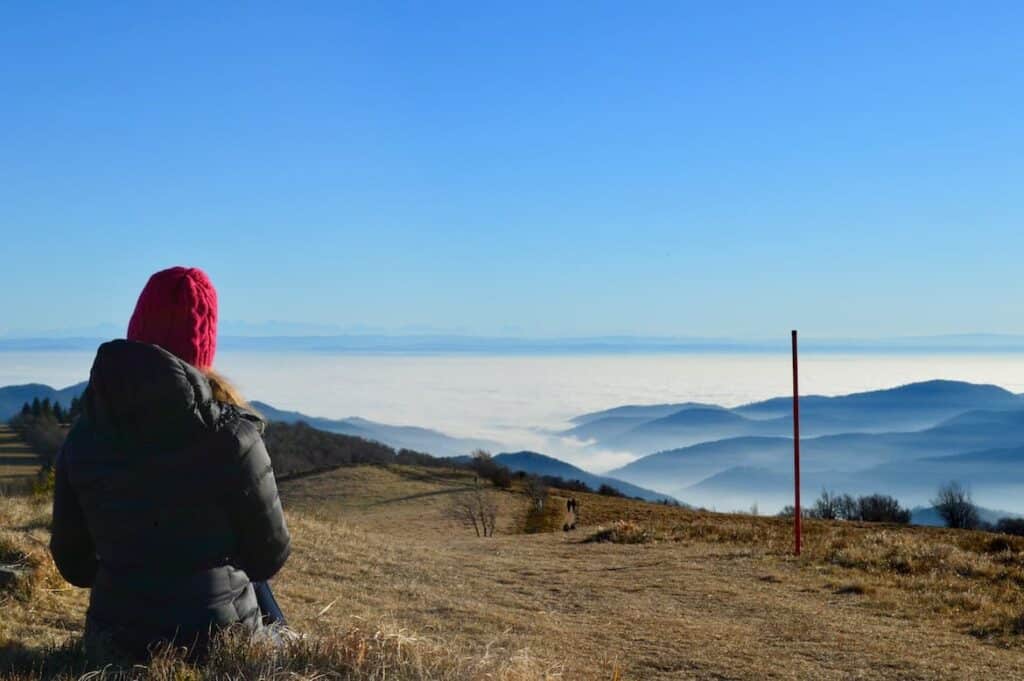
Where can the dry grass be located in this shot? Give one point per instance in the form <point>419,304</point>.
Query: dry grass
<point>622,532</point>
<point>972,580</point>
<point>412,499</point>
<point>18,464</point>
<point>385,652</point>
<point>24,522</point>
<point>707,597</point>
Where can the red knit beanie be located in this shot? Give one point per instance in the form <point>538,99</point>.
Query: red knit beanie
<point>178,311</point>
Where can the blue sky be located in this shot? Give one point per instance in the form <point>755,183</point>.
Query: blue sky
<point>706,169</point>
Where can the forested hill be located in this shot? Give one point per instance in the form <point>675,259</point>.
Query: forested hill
<point>298,448</point>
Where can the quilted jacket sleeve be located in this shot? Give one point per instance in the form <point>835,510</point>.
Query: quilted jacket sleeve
<point>254,507</point>
<point>71,544</point>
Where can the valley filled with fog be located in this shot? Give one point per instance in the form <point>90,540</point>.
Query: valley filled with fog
<point>528,402</point>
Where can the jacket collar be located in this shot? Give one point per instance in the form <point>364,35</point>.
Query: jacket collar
<point>143,393</point>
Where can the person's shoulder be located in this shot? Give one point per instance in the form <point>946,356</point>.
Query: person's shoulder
<point>242,426</point>
<point>79,440</point>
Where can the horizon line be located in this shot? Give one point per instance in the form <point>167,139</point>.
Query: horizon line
<point>447,343</point>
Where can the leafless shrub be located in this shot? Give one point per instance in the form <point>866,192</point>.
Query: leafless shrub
<point>476,508</point>
<point>827,506</point>
<point>873,508</point>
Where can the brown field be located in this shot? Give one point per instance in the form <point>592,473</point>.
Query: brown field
<point>705,596</point>
<point>17,461</point>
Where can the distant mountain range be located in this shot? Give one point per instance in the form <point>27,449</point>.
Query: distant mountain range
<point>659,427</point>
<point>904,441</point>
<point>12,397</point>
<point>289,336</point>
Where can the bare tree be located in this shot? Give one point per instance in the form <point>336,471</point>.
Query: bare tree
<point>881,508</point>
<point>537,491</point>
<point>954,504</point>
<point>827,506</point>
<point>847,507</point>
<point>488,469</point>
<point>475,508</point>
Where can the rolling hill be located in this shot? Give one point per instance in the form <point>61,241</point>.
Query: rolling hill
<point>978,448</point>
<point>640,411</point>
<point>540,464</point>
<point>916,406</point>
<point>705,596</point>
<point>399,437</point>
<point>846,452</point>
<point>994,477</point>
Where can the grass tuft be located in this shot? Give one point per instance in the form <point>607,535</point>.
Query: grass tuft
<point>853,589</point>
<point>621,532</point>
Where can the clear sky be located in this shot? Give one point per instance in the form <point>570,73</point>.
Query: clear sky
<point>543,169</point>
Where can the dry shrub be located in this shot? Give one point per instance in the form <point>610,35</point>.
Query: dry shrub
<point>967,601</point>
<point>622,532</point>
<point>44,484</point>
<point>387,652</point>
<point>853,588</point>
<point>1000,544</point>
<point>23,551</point>
<point>906,554</point>
<point>16,583</point>
<point>731,529</point>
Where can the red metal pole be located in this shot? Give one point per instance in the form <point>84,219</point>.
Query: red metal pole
<point>797,529</point>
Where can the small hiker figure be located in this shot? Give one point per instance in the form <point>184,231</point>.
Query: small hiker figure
<point>571,507</point>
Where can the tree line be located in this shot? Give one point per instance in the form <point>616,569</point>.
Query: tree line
<point>42,424</point>
<point>952,502</point>
<point>45,409</point>
<point>486,468</point>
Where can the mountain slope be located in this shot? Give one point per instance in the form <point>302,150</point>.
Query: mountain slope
<point>540,464</point>
<point>399,437</point>
<point>640,411</point>
<point>929,399</point>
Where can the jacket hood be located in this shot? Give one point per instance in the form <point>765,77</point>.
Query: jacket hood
<point>142,393</point>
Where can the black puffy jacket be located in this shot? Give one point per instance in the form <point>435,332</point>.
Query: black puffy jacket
<point>165,502</point>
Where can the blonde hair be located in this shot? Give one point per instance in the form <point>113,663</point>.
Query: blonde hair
<point>224,391</point>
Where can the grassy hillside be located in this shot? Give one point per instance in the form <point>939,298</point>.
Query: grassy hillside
<point>378,568</point>
<point>18,464</point>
